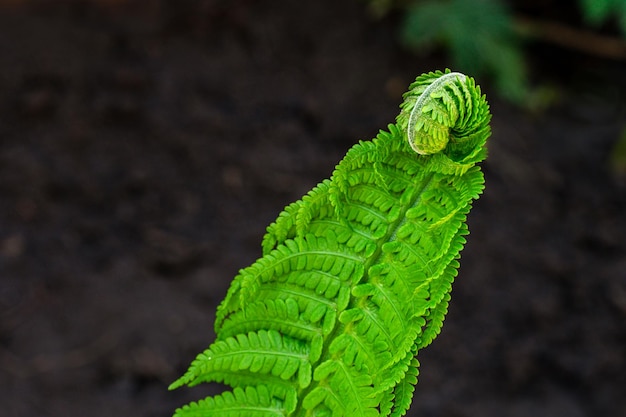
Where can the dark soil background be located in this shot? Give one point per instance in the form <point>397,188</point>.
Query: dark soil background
<point>146,145</point>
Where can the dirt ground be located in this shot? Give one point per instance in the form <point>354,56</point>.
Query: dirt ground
<point>146,145</point>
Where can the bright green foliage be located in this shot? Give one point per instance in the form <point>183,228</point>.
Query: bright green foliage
<point>356,276</point>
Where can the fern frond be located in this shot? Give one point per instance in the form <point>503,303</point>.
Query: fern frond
<point>295,218</point>
<point>262,353</point>
<point>356,276</point>
<point>403,391</point>
<point>251,402</point>
<point>342,389</point>
<point>283,316</point>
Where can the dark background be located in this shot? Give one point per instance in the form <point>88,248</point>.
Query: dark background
<point>145,146</point>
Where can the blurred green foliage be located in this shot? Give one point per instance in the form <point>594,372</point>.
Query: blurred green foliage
<point>478,35</point>
<point>481,37</point>
<point>597,12</point>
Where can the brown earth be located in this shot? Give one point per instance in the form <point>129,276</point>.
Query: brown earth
<point>144,147</point>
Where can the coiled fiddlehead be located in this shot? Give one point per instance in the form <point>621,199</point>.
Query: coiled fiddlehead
<point>355,277</point>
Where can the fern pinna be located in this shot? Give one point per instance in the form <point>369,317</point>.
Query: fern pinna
<point>355,277</point>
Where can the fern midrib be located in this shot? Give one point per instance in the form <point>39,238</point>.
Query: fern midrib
<point>394,306</point>
<point>271,350</point>
<point>346,372</point>
<point>290,289</point>
<point>368,312</point>
<point>287,260</point>
<point>368,210</point>
<point>335,224</point>
<point>372,260</point>
<point>254,325</point>
<point>245,410</point>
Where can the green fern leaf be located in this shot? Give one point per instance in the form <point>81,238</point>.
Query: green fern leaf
<point>251,402</point>
<point>262,354</point>
<point>356,276</point>
<point>403,391</point>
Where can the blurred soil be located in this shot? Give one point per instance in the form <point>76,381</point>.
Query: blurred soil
<point>145,146</point>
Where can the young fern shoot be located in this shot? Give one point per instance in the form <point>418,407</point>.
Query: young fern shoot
<point>355,277</point>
